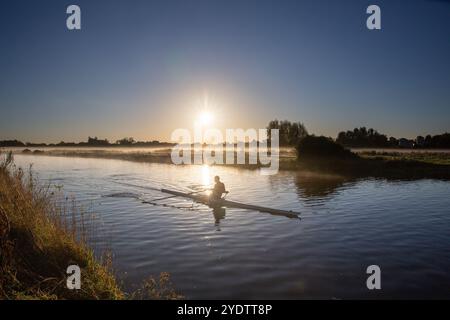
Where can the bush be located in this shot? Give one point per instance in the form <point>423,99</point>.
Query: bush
<point>322,147</point>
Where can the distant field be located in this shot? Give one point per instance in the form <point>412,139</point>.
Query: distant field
<point>438,157</point>
<point>287,154</point>
<point>399,150</point>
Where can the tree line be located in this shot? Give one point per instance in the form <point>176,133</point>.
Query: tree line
<point>91,142</point>
<point>291,133</point>
<point>371,138</point>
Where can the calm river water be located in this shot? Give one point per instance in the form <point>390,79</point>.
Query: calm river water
<point>345,226</point>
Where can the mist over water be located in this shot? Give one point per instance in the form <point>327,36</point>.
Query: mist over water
<point>346,225</point>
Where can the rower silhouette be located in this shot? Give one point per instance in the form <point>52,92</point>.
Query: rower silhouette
<point>218,190</point>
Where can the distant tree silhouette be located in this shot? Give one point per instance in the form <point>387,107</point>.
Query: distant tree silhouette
<point>126,141</point>
<point>393,142</point>
<point>65,144</point>
<point>97,142</point>
<point>441,141</point>
<point>290,135</point>
<point>11,143</point>
<point>361,137</point>
<point>290,132</point>
<point>420,142</point>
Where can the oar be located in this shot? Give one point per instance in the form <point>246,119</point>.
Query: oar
<point>169,197</point>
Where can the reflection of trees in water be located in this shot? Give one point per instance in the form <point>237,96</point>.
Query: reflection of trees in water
<point>318,185</point>
<point>309,185</point>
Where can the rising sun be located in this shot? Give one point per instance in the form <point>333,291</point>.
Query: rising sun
<point>205,118</point>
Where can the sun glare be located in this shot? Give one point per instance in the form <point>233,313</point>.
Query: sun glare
<point>205,118</point>
<point>205,112</point>
<point>206,176</point>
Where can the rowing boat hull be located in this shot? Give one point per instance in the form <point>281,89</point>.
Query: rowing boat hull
<point>232,204</point>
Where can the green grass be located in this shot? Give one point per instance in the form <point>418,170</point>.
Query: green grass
<point>438,158</point>
<point>41,236</point>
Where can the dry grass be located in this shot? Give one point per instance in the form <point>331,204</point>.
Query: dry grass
<point>40,236</point>
<point>159,289</point>
<point>38,243</point>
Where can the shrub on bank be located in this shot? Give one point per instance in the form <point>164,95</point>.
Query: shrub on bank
<point>322,148</point>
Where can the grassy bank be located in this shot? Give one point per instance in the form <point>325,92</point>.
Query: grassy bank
<point>425,156</point>
<point>40,238</point>
<point>37,245</point>
<point>375,168</point>
<point>325,155</point>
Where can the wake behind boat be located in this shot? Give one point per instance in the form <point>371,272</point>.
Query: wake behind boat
<point>204,199</point>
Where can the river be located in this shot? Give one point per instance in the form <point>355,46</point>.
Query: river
<point>346,225</point>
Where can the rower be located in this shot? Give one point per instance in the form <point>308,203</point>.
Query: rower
<point>218,190</point>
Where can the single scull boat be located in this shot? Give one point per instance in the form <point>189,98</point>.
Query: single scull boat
<point>204,199</point>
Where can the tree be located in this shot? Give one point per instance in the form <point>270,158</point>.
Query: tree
<point>97,142</point>
<point>290,133</point>
<point>11,143</point>
<point>393,142</point>
<point>126,141</point>
<point>361,137</point>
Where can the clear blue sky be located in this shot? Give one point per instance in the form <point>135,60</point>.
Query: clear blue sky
<point>137,67</point>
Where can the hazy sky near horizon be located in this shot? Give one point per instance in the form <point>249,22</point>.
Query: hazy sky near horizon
<point>142,68</point>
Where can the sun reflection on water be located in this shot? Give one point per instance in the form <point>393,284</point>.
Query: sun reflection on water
<point>206,176</point>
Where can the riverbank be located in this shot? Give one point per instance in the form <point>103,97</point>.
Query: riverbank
<point>402,168</point>
<point>41,236</point>
<point>38,244</point>
<point>395,164</point>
